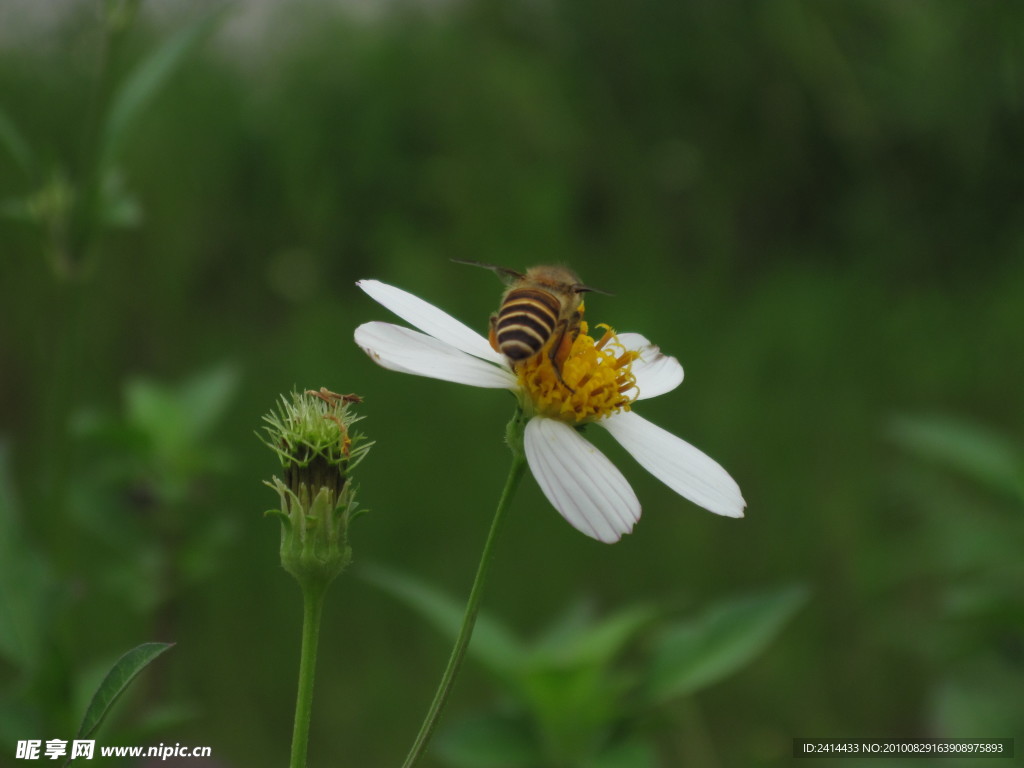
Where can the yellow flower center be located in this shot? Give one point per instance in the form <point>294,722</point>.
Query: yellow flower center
<point>596,379</point>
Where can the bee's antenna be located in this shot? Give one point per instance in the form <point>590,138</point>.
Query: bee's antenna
<point>504,273</point>
<point>580,288</point>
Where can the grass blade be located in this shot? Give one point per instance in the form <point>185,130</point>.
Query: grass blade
<point>148,78</point>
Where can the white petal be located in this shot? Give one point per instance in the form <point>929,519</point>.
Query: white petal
<point>431,320</point>
<point>679,465</point>
<point>656,373</point>
<point>408,351</point>
<point>580,481</point>
<point>633,341</point>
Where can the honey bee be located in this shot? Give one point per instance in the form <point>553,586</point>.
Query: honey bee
<point>540,310</point>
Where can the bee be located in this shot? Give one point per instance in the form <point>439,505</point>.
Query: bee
<point>540,310</point>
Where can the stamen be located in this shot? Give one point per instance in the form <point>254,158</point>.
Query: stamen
<point>588,383</point>
<point>625,359</point>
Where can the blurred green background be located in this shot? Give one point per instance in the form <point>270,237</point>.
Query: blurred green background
<point>818,208</point>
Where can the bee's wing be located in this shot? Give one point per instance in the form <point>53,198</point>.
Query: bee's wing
<point>506,274</point>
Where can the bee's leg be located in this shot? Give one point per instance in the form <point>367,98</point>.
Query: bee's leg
<point>492,334</point>
<point>561,345</point>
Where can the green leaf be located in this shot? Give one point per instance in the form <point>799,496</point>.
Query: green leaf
<point>573,706</point>
<point>153,411</point>
<point>116,682</point>
<point>570,683</point>
<point>694,654</point>
<point>151,74</point>
<point>205,397</point>
<point>492,644</point>
<point>175,418</point>
<point>581,640</point>
<point>12,140</point>
<point>571,622</point>
<point>489,741</point>
<point>978,453</point>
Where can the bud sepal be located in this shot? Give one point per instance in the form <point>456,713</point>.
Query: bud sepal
<point>314,530</point>
<point>312,436</point>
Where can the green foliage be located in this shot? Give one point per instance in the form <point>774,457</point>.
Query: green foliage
<point>815,206</point>
<point>573,696</point>
<point>143,537</point>
<point>979,454</point>
<point>174,424</point>
<point>72,207</point>
<point>972,556</point>
<point>157,454</point>
<point>493,645</point>
<point>693,654</point>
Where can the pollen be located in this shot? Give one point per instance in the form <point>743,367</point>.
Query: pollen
<point>596,379</point>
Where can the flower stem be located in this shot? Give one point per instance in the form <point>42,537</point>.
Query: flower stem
<point>312,611</point>
<point>444,688</point>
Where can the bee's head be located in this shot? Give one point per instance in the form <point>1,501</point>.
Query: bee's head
<point>559,278</point>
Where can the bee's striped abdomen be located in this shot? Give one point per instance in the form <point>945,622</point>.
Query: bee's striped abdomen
<point>526,322</point>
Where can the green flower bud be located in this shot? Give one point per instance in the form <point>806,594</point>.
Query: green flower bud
<point>312,436</point>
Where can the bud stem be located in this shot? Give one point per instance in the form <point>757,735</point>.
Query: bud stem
<point>444,688</point>
<point>313,591</point>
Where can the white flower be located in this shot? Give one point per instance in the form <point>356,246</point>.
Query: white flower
<point>604,378</point>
